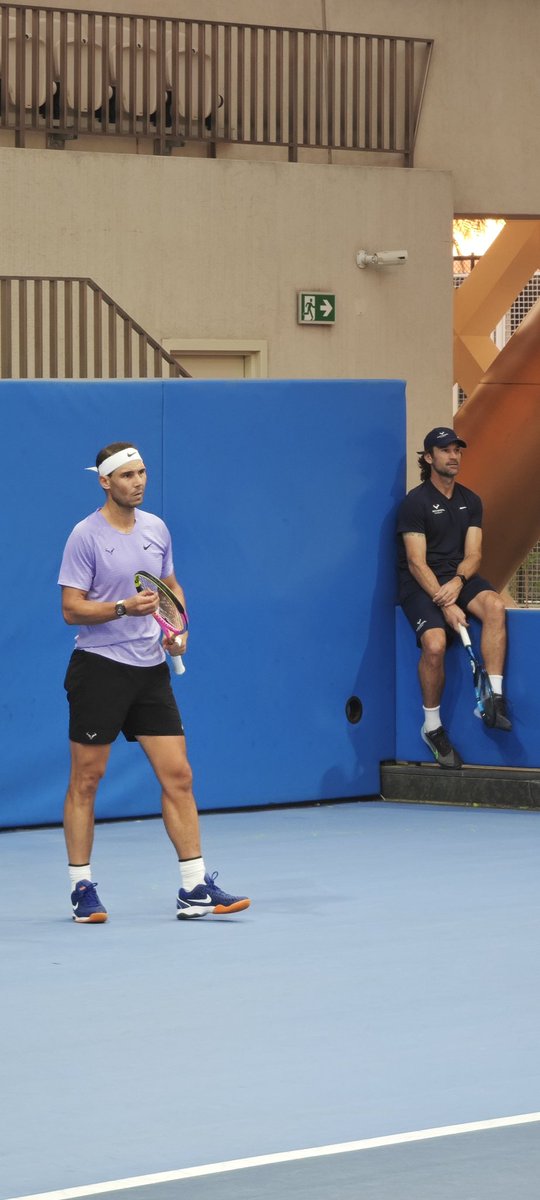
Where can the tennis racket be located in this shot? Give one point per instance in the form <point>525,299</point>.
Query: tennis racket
<point>171,616</point>
<point>482,687</point>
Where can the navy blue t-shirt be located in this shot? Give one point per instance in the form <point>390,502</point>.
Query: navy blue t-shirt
<point>444,521</point>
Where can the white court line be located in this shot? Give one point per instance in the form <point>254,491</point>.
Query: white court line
<point>266,1160</point>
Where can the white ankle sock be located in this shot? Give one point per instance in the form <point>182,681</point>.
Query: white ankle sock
<point>79,872</point>
<point>432,719</point>
<point>192,872</point>
<point>496,682</point>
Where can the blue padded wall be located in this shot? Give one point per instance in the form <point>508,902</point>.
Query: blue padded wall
<point>477,745</point>
<point>281,498</point>
<point>50,432</point>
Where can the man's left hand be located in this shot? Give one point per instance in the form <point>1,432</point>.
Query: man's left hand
<point>448,593</point>
<point>174,647</point>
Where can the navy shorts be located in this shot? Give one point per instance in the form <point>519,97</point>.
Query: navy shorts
<point>423,614</point>
<point>107,698</point>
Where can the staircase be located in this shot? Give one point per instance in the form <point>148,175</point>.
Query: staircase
<point>69,328</point>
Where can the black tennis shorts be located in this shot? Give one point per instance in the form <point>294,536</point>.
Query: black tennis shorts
<point>423,614</point>
<point>107,697</point>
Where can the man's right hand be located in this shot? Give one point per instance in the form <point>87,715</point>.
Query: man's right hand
<point>454,616</point>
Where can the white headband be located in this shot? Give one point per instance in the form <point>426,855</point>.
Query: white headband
<point>115,460</point>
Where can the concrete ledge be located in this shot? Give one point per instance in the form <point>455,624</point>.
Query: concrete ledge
<point>490,787</point>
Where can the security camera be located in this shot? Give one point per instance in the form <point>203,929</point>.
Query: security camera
<point>381,258</point>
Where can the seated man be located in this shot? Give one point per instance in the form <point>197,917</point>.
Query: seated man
<point>440,548</point>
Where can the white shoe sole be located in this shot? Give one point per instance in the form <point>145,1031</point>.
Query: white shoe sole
<point>203,910</point>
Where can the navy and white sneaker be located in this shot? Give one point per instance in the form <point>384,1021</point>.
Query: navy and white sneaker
<point>500,717</point>
<point>208,898</point>
<point>87,906</point>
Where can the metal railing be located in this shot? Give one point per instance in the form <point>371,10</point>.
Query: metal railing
<point>69,328</point>
<point>467,263</point>
<point>524,587</point>
<point>69,73</point>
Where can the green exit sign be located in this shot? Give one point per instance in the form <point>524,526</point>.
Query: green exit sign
<point>316,308</point>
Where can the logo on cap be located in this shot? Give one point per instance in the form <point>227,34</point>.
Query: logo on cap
<point>444,436</point>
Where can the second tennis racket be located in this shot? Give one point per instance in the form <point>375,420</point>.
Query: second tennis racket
<point>482,686</point>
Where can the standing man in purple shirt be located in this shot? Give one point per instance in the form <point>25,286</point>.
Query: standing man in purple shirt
<point>118,681</point>
<point>439,553</point>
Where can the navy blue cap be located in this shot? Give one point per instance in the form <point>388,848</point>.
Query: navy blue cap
<point>442,436</point>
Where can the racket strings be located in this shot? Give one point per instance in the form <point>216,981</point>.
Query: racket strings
<point>170,612</point>
<point>488,701</point>
<point>484,692</point>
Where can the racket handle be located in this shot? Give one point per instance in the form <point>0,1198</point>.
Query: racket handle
<point>464,635</point>
<point>177,663</point>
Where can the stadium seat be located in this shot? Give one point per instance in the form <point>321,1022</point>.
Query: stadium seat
<point>175,78</point>
<point>132,98</point>
<point>90,97</point>
<point>34,53</point>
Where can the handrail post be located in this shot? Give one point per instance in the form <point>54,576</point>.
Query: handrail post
<point>6,334</point>
<point>293,95</point>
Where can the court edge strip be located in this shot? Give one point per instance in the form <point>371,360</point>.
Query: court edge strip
<point>266,1160</point>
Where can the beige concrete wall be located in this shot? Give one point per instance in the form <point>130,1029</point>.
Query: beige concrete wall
<point>480,113</point>
<point>205,249</point>
<point>195,248</point>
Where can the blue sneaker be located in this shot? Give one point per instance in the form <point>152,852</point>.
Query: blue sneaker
<point>87,906</point>
<point>208,898</point>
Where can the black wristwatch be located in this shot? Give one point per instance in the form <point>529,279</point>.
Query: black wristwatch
<point>462,577</point>
<point>120,609</point>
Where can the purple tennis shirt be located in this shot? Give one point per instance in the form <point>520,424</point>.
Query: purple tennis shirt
<point>102,562</point>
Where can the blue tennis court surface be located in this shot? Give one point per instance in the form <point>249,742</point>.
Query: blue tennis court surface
<point>384,981</point>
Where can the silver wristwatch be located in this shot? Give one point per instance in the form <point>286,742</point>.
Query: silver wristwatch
<point>120,609</point>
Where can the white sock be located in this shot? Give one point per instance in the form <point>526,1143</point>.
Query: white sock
<point>77,873</point>
<point>496,683</point>
<point>432,719</point>
<point>192,872</point>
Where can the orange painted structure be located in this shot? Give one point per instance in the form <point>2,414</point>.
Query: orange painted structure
<point>500,420</point>
<point>501,424</point>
